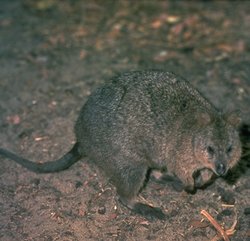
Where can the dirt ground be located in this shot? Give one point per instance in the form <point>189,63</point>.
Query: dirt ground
<point>54,53</point>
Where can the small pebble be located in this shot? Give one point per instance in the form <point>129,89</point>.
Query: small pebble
<point>78,184</point>
<point>247,211</point>
<point>226,212</point>
<point>226,196</point>
<point>102,210</point>
<point>35,182</point>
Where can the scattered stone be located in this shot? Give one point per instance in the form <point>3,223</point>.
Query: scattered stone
<point>102,210</point>
<point>227,197</point>
<point>78,184</point>
<point>247,211</point>
<point>226,212</point>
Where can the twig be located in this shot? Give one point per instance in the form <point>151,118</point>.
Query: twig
<point>227,205</point>
<point>229,232</point>
<point>232,230</point>
<point>215,224</point>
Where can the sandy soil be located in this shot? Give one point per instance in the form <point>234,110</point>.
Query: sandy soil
<point>53,54</point>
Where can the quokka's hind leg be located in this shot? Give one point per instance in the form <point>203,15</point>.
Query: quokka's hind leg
<point>128,182</point>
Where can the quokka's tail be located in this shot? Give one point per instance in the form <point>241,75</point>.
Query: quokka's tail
<point>62,163</point>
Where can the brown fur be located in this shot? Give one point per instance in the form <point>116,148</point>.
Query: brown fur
<point>150,120</point>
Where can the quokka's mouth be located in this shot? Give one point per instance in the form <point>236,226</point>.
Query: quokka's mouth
<point>220,169</point>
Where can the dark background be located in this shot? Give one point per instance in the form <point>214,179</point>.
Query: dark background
<point>53,54</point>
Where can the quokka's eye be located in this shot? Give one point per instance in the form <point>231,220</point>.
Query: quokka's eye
<point>229,149</point>
<point>210,150</point>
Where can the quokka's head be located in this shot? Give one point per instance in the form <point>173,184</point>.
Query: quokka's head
<point>216,144</point>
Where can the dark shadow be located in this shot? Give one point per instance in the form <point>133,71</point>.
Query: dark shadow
<point>244,163</point>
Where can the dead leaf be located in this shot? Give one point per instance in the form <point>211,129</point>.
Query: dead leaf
<point>14,119</point>
<point>198,224</point>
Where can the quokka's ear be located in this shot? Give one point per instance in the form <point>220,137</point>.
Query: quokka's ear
<point>203,118</point>
<point>233,118</point>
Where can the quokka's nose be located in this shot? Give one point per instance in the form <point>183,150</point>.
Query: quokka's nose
<point>220,169</point>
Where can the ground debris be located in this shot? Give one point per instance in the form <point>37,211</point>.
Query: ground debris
<point>222,233</point>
